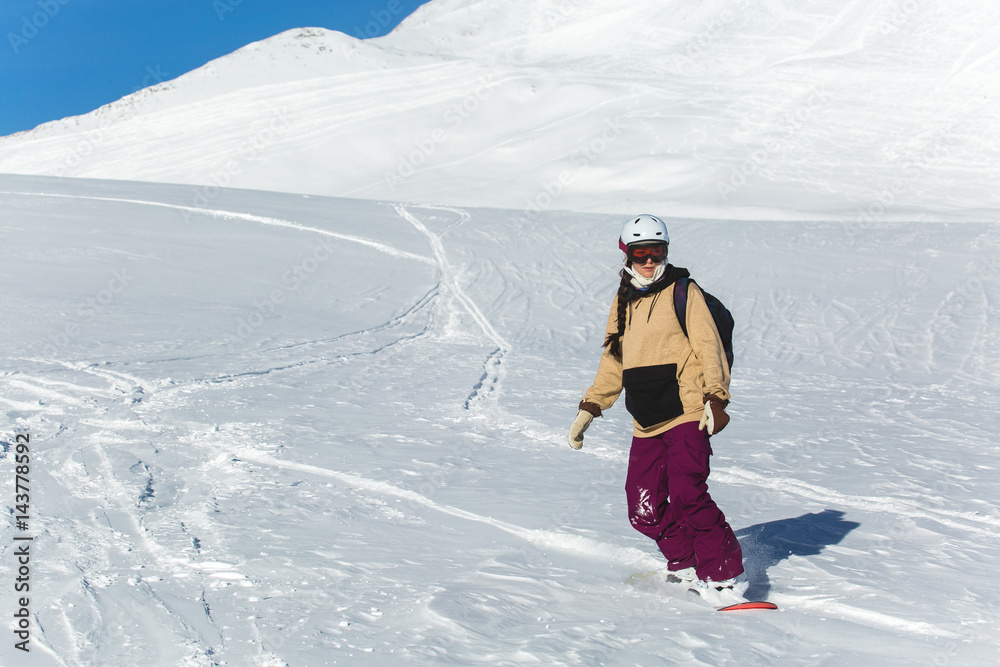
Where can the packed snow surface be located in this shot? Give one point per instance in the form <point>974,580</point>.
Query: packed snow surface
<point>288,430</point>
<point>763,109</point>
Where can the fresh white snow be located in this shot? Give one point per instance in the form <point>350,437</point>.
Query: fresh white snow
<point>760,109</point>
<point>306,431</point>
<point>322,419</point>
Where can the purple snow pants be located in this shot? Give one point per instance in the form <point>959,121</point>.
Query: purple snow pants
<point>667,492</point>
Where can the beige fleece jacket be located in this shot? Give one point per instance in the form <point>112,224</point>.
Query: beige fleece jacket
<point>663,372</point>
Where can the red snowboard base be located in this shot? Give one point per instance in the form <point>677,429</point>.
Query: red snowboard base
<point>749,605</point>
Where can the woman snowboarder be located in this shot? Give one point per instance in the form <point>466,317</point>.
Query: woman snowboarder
<point>676,389</point>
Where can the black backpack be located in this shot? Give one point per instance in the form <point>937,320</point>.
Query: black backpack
<point>720,314</point>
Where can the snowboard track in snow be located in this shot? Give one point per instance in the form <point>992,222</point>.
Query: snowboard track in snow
<point>544,539</point>
<point>602,552</point>
<point>246,217</point>
<point>492,366</point>
<point>964,521</point>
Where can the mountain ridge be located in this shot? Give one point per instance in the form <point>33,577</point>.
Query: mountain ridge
<point>826,110</point>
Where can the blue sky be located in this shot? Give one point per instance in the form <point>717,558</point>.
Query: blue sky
<point>61,58</point>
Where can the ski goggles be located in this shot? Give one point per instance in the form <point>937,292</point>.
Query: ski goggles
<point>638,254</point>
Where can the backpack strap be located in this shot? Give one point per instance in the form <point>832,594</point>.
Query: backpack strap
<point>681,302</point>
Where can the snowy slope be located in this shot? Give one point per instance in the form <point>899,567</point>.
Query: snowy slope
<point>756,109</point>
<point>277,429</point>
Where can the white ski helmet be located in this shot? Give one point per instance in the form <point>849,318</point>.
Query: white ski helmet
<point>642,228</point>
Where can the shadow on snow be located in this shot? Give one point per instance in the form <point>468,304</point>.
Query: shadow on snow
<point>767,544</point>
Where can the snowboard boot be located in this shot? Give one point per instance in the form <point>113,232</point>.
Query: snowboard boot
<point>722,593</point>
<point>686,576</point>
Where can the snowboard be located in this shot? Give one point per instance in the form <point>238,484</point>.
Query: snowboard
<point>749,605</point>
<point>656,577</point>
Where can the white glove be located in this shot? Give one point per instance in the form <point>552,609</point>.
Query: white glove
<point>580,424</point>
<point>714,417</point>
<point>707,419</point>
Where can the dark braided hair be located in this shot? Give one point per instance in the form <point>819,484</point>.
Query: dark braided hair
<point>626,294</point>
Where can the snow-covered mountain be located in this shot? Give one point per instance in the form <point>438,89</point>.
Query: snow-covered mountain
<point>870,110</point>
<point>263,433</point>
